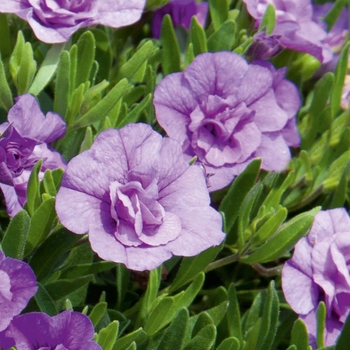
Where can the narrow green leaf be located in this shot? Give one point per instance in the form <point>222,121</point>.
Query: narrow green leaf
<point>269,20</point>
<point>97,313</point>
<point>170,47</point>
<point>49,184</point>
<point>135,63</point>
<point>108,336</point>
<point>233,315</point>
<point>219,12</point>
<point>190,267</point>
<point>63,86</point>
<point>122,282</point>
<point>155,320</point>
<point>300,336</point>
<point>6,42</point>
<point>101,109</point>
<point>202,321</point>
<point>26,70</point>
<point>332,16</point>
<point>229,344</point>
<point>242,184</point>
<point>292,347</point>
<point>217,313</point>
<point>41,224</point>
<point>174,335</point>
<point>5,92</point>
<point>139,335</point>
<point>340,73</point>
<point>132,346</point>
<point>204,340</point>
<point>343,340</point>
<point>61,288</point>
<point>33,189</point>
<point>198,37</point>
<point>86,269</point>
<point>284,240</point>
<point>45,257</point>
<point>321,324</point>
<point>47,69</point>
<point>14,241</point>
<point>85,57</point>
<point>44,301</point>
<point>224,38</point>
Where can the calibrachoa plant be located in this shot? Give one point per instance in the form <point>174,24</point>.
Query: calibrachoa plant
<point>174,175</point>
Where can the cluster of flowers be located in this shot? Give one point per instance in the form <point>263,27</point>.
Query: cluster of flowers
<point>139,199</point>
<point>68,330</point>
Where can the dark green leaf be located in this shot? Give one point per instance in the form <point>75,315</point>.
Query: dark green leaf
<point>343,340</point>
<point>14,241</point>
<point>229,344</point>
<point>44,301</point>
<point>233,314</point>
<point>5,92</point>
<point>63,85</point>
<point>204,340</point>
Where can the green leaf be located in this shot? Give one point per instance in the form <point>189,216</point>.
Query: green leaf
<point>223,39</point>
<point>233,315</point>
<point>88,140</point>
<point>170,47</point>
<point>202,321</point>
<point>46,256</point>
<point>343,340</point>
<point>229,344</point>
<point>269,322</point>
<point>33,189</point>
<point>98,312</point>
<point>269,20</point>
<point>86,269</point>
<point>284,240</point>
<point>44,301</point>
<point>340,73</point>
<point>85,57</point>
<point>204,340</point>
<point>61,288</point>
<point>63,85</point>
<point>14,241</point>
<point>49,184</point>
<point>41,224</point>
<point>198,37</point>
<point>5,43</point>
<point>101,109</point>
<point>218,12</point>
<point>240,187</point>
<point>139,335</point>
<point>122,282</point>
<point>155,320</point>
<point>321,324</point>
<point>108,335</point>
<point>47,69</point>
<point>332,16</point>
<point>174,335</point>
<point>300,336</point>
<point>136,62</point>
<point>217,313</point>
<point>190,267</point>
<point>5,92</point>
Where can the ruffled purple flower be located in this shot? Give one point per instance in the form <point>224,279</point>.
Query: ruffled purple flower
<point>228,112</point>
<point>24,140</point>
<point>17,286</point>
<point>295,26</point>
<point>54,21</point>
<point>68,330</point>
<point>181,12</point>
<point>320,271</point>
<point>138,199</point>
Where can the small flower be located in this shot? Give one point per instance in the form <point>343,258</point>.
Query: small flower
<point>228,112</point>
<point>264,46</point>
<point>17,286</point>
<point>140,201</point>
<point>295,26</point>
<point>181,12</point>
<point>68,330</point>
<point>321,267</point>
<point>24,140</point>
<point>54,21</point>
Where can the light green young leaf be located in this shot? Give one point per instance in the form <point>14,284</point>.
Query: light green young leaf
<point>269,20</point>
<point>223,39</point>
<point>198,37</point>
<point>97,313</point>
<point>14,241</point>
<point>5,92</point>
<point>321,324</point>
<point>139,335</point>
<point>33,189</point>
<point>231,343</point>
<point>108,336</point>
<point>300,336</point>
<point>204,340</point>
<point>219,10</point>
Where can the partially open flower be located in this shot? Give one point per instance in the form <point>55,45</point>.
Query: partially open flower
<point>54,21</point>
<point>320,271</point>
<point>138,199</point>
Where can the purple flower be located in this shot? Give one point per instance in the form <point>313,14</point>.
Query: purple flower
<point>294,25</point>
<point>17,286</point>
<point>23,142</point>
<point>181,12</point>
<point>227,112</point>
<point>67,331</point>
<point>264,47</point>
<point>140,201</point>
<point>320,271</point>
<point>54,21</point>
